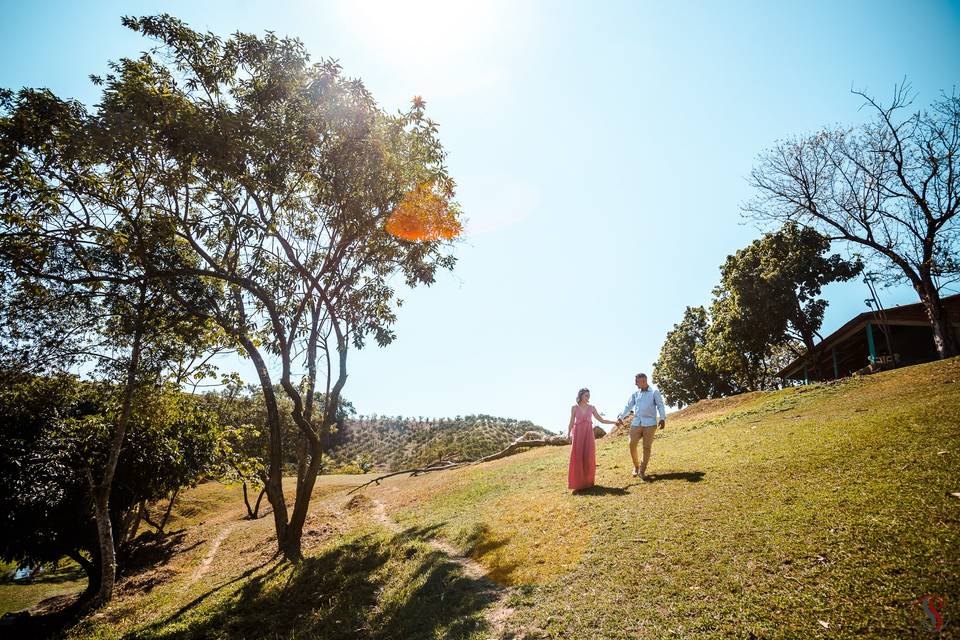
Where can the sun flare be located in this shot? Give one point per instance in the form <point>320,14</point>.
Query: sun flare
<point>421,29</point>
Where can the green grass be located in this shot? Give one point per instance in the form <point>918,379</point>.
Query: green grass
<point>358,580</point>
<point>823,503</point>
<point>769,516</point>
<point>67,579</point>
<point>372,586</point>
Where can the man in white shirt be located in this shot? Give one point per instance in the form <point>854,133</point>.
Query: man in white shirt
<point>645,403</point>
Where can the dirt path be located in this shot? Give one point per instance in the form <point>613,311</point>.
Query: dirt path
<point>211,554</point>
<point>499,612</point>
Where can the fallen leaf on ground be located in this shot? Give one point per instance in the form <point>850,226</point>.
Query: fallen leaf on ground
<point>824,624</point>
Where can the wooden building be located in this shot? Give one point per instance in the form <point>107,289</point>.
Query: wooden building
<point>896,337</point>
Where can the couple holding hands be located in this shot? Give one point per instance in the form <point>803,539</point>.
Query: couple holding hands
<point>644,404</point>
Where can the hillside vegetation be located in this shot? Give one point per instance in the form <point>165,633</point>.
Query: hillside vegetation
<point>822,511</point>
<point>401,443</point>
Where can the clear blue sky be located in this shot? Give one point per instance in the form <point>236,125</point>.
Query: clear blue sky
<point>601,151</point>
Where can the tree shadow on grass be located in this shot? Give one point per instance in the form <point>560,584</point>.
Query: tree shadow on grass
<point>689,476</point>
<point>481,541</point>
<point>150,551</point>
<point>180,613</point>
<point>370,588</point>
<point>46,620</point>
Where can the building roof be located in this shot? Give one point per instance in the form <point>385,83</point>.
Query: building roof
<point>903,314</point>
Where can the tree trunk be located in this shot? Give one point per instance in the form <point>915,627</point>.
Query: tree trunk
<point>101,490</point>
<point>256,507</point>
<point>274,483</point>
<point>305,487</point>
<point>944,335</point>
<point>801,326</point>
<point>302,504</point>
<point>131,525</point>
<point>90,567</point>
<point>311,439</point>
<point>149,520</point>
<point>136,523</point>
<point>246,501</point>
<point>254,511</point>
<point>811,358</point>
<point>166,515</point>
<point>302,450</point>
<point>108,556</point>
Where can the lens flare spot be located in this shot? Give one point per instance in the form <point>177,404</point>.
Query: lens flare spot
<point>424,214</point>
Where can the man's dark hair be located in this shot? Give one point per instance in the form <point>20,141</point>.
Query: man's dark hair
<point>641,375</point>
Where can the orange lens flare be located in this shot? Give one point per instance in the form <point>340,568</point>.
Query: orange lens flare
<point>424,215</point>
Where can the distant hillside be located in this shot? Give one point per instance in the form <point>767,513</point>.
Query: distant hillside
<point>397,443</point>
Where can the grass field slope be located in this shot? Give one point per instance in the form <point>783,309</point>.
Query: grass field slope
<point>823,511</point>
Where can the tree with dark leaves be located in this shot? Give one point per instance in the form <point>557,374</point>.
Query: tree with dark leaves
<point>678,372</point>
<point>775,284</point>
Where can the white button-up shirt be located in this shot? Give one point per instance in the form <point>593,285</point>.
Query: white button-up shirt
<point>645,406</point>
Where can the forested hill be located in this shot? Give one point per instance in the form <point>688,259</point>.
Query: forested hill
<point>396,443</point>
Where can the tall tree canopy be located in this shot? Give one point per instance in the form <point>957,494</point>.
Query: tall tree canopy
<point>774,284</point>
<point>280,178</point>
<point>889,188</point>
<point>223,189</point>
<point>765,311</point>
<point>73,286</point>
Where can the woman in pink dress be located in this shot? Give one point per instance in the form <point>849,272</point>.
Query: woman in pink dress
<point>583,452</point>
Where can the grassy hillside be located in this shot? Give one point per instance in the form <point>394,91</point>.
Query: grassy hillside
<point>401,443</point>
<point>818,511</point>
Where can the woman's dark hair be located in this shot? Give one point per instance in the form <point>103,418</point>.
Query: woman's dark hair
<point>580,394</point>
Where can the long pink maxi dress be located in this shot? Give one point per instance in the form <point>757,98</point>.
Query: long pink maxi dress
<point>583,452</point>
